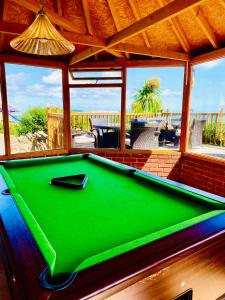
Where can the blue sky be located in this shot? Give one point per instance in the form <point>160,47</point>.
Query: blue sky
<point>33,86</point>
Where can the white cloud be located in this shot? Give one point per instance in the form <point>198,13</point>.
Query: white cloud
<point>55,77</point>
<point>169,92</point>
<point>15,81</point>
<point>211,64</point>
<point>41,90</point>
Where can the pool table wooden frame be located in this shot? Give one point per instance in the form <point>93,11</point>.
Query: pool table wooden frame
<point>24,262</point>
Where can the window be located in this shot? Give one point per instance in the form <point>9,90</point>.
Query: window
<point>153,108</point>
<point>95,108</point>
<point>207,117</point>
<point>95,117</point>
<point>2,141</point>
<point>35,108</point>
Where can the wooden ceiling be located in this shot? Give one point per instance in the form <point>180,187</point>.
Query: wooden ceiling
<point>124,29</point>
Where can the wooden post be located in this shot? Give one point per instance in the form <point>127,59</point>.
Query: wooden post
<point>5,112</point>
<point>221,128</point>
<point>123,109</point>
<point>49,122</point>
<point>184,138</point>
<point>66,109</point>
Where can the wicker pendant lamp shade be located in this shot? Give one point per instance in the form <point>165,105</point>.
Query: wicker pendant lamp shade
<point>41,38</point>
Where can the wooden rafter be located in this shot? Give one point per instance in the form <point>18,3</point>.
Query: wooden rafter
<point>59,10</point>
<point>161,15</point>
<point>16,29</point>
<point>3,13</point>
<point>177,29</point>
<point>206,28</point>
<point>170,10</point>
<point>137,15</point>
<point>116,65</point>
<point>115,18</point>
<point>2,40</point>
<point>90,27</point>
<point>212,55</point>
<point>55,18</point>
<point>87,16</point>
<point>142,50</point>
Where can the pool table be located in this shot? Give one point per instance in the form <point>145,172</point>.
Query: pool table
<point>73,242</point>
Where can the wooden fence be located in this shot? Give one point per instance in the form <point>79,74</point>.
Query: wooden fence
<point>214,132</point>
<point>55,128</point>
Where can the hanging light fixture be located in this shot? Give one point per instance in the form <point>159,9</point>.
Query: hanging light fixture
<point>41,38</point>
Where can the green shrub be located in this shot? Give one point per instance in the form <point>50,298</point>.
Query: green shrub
<point>213,133</point>
<point>12,128</point>
<point>33,120</point>
<point>1,127</point>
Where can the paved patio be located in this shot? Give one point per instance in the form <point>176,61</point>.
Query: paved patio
<point>210,150</point>
<point>87,141</point>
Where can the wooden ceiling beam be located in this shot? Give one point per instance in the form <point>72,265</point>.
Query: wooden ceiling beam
<point>170,10</point>
<point>85,54</point>
<point>137,15</point>
<point>59,10</point>
<point>2,13</point>
<point>167,12</point>
<point>142,50</point>
<point>177,29</point>
<point>94,65</point>
<point>2,40</point>
<point>90,27</point>
<point>115,18</point>
<point>55,18</point>
<point>87,16</point>
<point>32,61</point>
<point>212,55</point>
<point>88,40</point>
<point>206,28</point>
<point>116,53</point>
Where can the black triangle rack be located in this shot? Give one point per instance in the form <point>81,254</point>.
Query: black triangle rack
<point>81,181</point>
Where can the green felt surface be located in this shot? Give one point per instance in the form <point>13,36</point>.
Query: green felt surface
<point>113,214</point>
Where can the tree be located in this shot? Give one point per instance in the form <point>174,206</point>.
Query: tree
<point>147,98</point>
<point>33,120</point>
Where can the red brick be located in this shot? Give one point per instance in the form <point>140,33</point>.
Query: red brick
<point>112,154</point>
<point>129,159</point>
<point>151,165</point>
<point>137,165</point>
<point>166,169</point>
<point>118,159</point>
<point>155,169</point>
<point>142,160</point>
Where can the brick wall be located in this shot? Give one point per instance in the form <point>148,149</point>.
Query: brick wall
<point>165,165</point>
<point>205,174</point>
<point>200,172</point>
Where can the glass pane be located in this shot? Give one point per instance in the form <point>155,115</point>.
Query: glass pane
<point>154,106</point>
<point>95,117</point>
<point>95,77</point>
<point>35,108</point>
<point>207,119</point>
<point>2,141</point>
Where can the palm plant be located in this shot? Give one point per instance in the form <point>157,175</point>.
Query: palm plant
<point>147,98</point>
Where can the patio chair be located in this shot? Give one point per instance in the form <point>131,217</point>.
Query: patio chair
<point>143,137</point>
<point>110,139</point>
<point>96,133</point>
